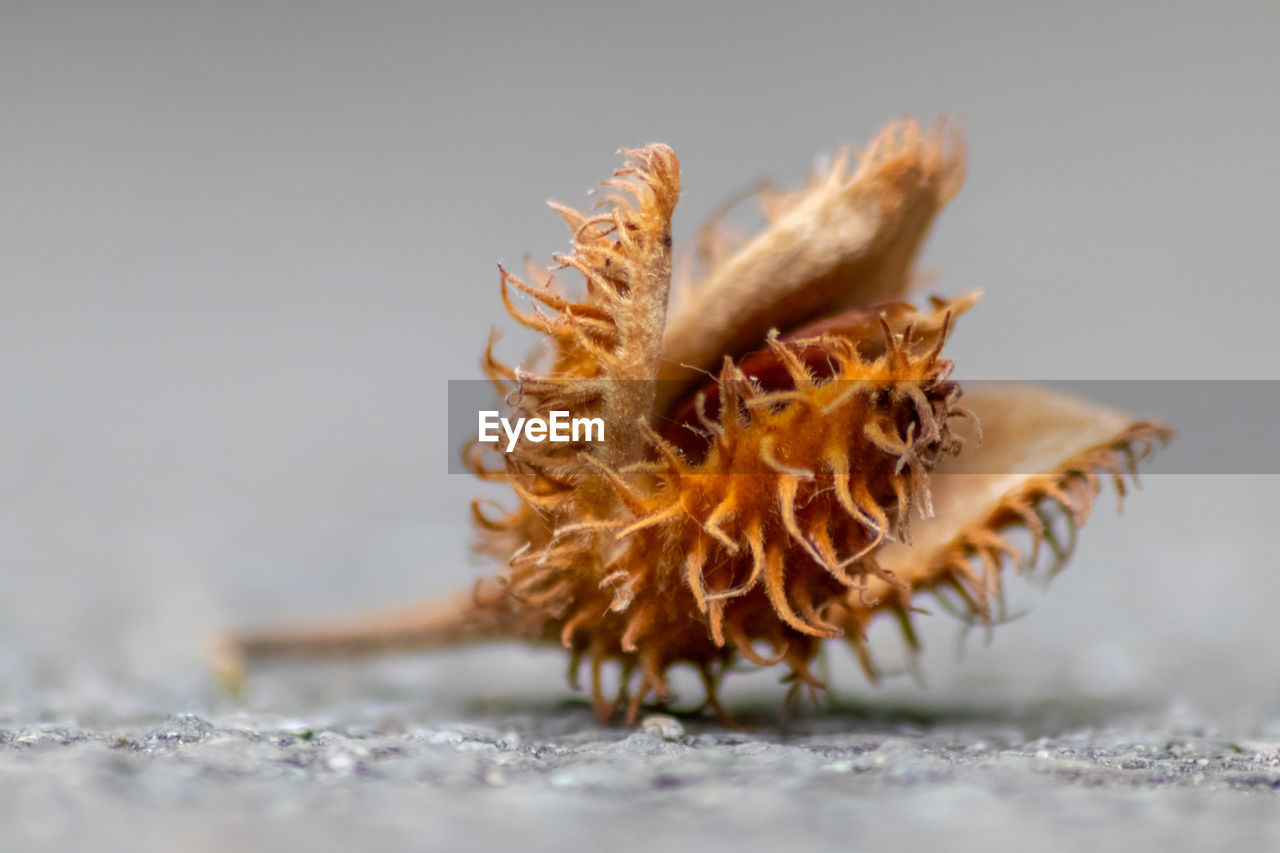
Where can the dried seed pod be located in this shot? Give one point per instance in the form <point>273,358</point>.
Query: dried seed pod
<point>828,471</point>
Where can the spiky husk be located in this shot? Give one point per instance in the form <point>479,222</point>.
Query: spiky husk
<point>649,555</point>
<point>816,481</point>
<point>1044,459</point>
<point>774,507</point>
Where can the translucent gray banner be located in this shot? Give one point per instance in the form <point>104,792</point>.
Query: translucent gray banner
<point>1222,426</point>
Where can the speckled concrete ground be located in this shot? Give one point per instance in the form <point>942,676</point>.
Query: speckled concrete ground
<point>383,777</point>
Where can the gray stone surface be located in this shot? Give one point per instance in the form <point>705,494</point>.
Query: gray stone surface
<point>390,777</point>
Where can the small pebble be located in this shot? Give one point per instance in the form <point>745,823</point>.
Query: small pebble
<point>662,726</point>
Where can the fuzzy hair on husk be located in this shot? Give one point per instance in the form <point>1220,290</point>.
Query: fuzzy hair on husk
<point>787,454</point>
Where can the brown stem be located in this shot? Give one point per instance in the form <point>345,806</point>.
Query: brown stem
<point>455,620</point>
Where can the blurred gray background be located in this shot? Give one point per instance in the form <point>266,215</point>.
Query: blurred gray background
<point>243,247</point>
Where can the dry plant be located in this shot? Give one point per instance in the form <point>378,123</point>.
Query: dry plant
<point>787,453</point>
